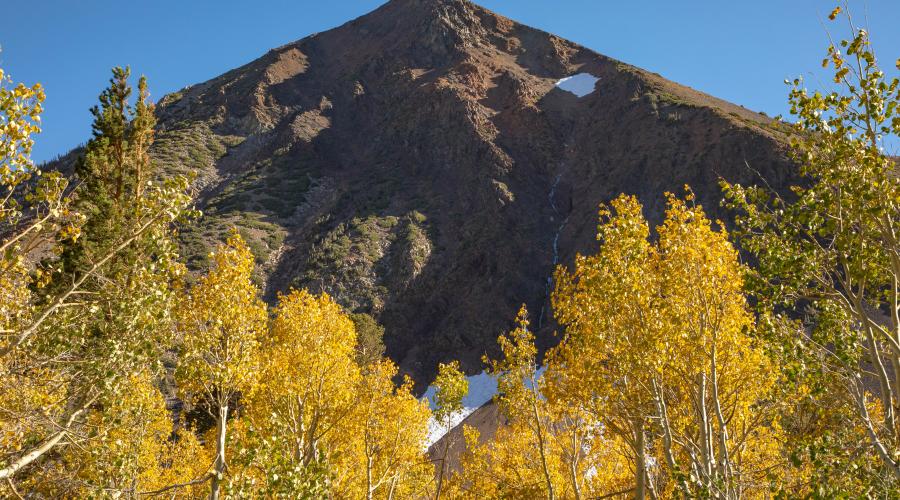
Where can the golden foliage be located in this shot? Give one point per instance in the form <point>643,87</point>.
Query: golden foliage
<point>220,322</point>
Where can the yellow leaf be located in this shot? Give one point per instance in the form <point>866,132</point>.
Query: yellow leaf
<point>834,13</point>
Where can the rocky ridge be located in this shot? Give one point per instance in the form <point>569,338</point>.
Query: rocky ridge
<point>421,165</point>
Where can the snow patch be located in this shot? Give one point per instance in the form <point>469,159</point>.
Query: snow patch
<point>436,430</point>
<point>482,388</point>
<point>581,84</point>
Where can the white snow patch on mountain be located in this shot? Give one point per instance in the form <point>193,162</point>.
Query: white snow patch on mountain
<point>436,430</point>
<point>482,388</point>
<point>581,84</point>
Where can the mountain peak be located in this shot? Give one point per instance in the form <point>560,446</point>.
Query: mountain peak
<point>423,164</point>
<point>420,18</point>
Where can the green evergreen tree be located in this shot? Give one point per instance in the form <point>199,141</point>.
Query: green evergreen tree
<point>104,314</point>
<point>113,173</point>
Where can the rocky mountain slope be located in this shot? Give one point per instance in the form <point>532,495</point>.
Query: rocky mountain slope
<point>421,165</point>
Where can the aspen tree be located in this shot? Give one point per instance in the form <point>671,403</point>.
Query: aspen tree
<point>451,387</point>
<point>221,321</point>
<point>658,349</point>
<point>831,248</point>
<point>390,426</point>
<point>298,413</point>
<point>519,397</point>
<point>609,306</point>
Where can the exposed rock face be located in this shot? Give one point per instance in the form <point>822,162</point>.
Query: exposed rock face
<point>420,164</point>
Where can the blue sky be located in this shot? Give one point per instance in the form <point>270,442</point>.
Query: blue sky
<point>737,50</point>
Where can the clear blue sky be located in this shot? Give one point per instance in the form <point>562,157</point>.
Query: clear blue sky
<point>738,50</point>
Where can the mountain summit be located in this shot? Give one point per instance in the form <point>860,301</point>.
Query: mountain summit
<point>425,164</point>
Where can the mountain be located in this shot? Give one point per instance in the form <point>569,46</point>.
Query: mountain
<point>422,165</point>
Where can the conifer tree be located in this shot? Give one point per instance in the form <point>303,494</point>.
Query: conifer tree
<point>112,171</point>
<point>78,331</point>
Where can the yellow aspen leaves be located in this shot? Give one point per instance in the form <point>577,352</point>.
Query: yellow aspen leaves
<point>308,419</point>
<point>220,322</point>
<point>647,395</point>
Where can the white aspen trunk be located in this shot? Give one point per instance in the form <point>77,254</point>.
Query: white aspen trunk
<point>887,398</point>
<point>440,483</point>
<point>393,487</point>
<point>705,431</point>
<point>724,460</point>
<point>892,248</point>
<point>663,414</point>
<point>219,471</point>
<point>895,363</point>
<point>33,455</point>
<point>883,452</point>
<point>541,445</point>
<point>640,469</point>
<point>369,477</point>
<point>573,468</point>
<point>10,470</point>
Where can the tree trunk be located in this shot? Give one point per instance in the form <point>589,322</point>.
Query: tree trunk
<point>573,467</point>
<point>705,429</point>
<point>369,478</point>
<point>219,471</point>
<point>887,396</point>
<point>32,455</point>
<point>10,470</point>
<point>393,487</point>
<point>724,458</point>
<point>440,483</point>
<point>668,453</point>
<point>640,469</point>
<point>542,448</point>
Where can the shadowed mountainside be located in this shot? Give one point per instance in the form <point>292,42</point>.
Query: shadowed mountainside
<point>420,165</point>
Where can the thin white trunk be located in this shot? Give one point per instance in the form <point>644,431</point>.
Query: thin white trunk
<point>440,483</point>
<point>887,395</point>
<point>219,472</point>
<point>541,445</point>
<point>880,448</point>
<point>704,427</point>
<point>668,452</point>
<point>369,488</point>
<point>724,458</point>
<point>33,455</point>
<point>640,469</point>
<point>573,467</point>
<point>393,486</point>
<point>51,442</point>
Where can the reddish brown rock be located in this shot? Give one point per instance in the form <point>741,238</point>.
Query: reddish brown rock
<point>419,163</point>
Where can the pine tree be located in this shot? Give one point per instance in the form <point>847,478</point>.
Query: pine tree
<point>113,172</point>
<point>81,330</point>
